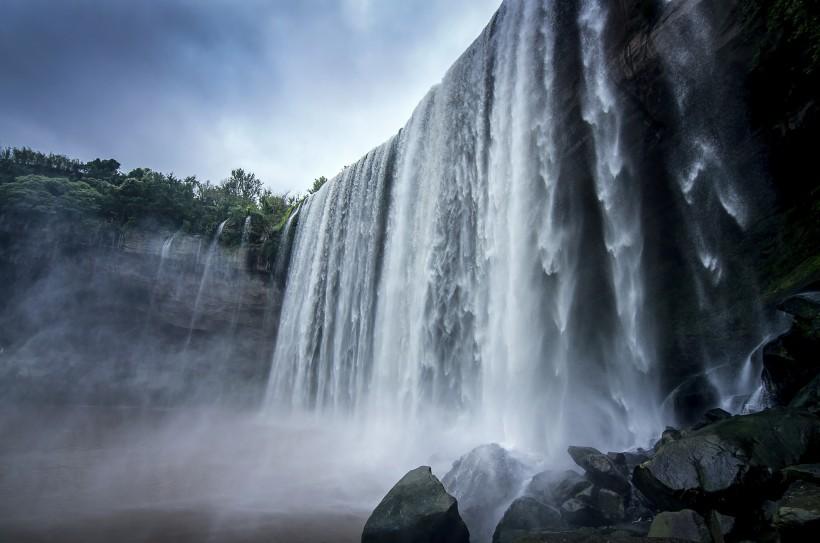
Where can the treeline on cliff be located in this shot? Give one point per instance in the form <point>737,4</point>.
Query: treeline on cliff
<point>38,189</point>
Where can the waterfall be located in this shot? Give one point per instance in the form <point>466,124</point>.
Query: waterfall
<point>165,250</point>
<point>246,231</point>
<point>619,197</point>
<point>242,256</point>
<point>486,268</point>
<point>206,273</point>
<point>716,199</point>
<point>283,253</point>
<point>327,316</point>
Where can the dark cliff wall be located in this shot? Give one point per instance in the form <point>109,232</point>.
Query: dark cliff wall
<point>767,116</point>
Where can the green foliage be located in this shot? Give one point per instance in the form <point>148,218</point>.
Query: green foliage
<point>792,28</point>
<point>35,186</point>
<point>243,186</point>
<point>36,196</point>
<point>317,184</point>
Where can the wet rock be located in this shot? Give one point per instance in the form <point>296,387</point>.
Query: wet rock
<point>611,505</point>
<point>578,513</point>
<point>808,397</point>
<point>804,307</point>
<point>685,525</point>
<point>639,508</point>
<point>600,469</point>
<point>485,481</point>
<point>594,506</point>
<point>802,472</point>
<point>588,536</point>
<point>555,488</point>
<point>793,359</point>
<point>720,526</point>
<point>630,459</point>
<point>797,516</point>
<point>527,515</point>
<point>668,436</point>
<point>731,463</point>
<point>416,510</point>
<point>710,417</point>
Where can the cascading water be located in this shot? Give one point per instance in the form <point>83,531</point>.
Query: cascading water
<point>716,202</point>
<point>165,250</point>
<point>619,197</point>
<point>241,257</point>
<point>206,273</point>
<point>246,231</point>
<point>485,268</point>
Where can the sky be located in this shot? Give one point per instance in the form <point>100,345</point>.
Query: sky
<point>288,89</point>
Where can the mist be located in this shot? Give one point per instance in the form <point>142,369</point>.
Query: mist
<point>572,294</point>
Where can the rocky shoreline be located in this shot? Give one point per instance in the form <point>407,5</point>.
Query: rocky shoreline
<point>750,477</point>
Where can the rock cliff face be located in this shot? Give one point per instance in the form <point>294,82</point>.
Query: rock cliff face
<point>763,135</point>
<point>140,317</point>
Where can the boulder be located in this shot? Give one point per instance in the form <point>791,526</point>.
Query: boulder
<point>685,525</point>
<point>527,515</point>
<point>611,505</point>
<point>668,436</point>
<point>416,510</point>
<point>601,469</point>
<point>802,472</point>
<point>731,463</point>
<point>720,526</point>
<point>639,508</point>
<point>797,514</point>
<point>555,488</point>
<point>630,459</point>
<point>594,506</point>
<point>588,536</point>
<point>485,481</point>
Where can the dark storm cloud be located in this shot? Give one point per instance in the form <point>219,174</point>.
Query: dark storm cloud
<point>291,89</point>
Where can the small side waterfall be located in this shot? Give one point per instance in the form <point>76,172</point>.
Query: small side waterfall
<point>246,231</point>
<point>206,273</point>
<point>242,257</point>
<point>716,200</point>
<point>487,268</point>
<point>165,250</point>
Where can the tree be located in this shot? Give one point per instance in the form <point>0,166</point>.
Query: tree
<point>317,184</point>
<point>243,185</point>
<point>102,169</point>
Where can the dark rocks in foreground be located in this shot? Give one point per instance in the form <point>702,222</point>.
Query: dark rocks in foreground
<point>729,463</point>
<point>527,515</point>
<point>685,524</point>
<point>416,510</point>
<point>797,513</point>
<point>587,535</point>
<point>753,477</point>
